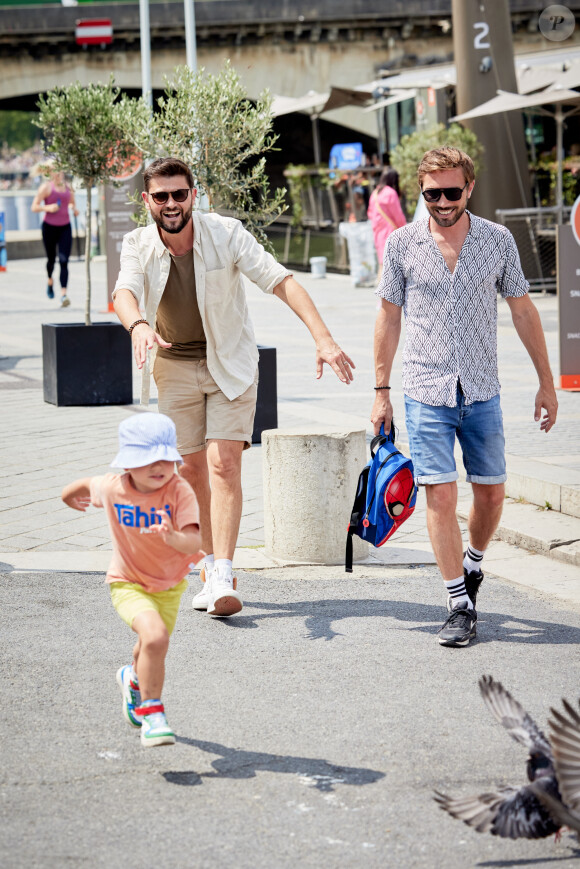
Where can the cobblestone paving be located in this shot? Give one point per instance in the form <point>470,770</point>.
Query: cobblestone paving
<point>42,447</point>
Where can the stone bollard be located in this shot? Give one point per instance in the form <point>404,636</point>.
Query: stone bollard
<point>310,479</point>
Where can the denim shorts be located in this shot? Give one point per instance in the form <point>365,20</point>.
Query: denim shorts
<point>479,430</point>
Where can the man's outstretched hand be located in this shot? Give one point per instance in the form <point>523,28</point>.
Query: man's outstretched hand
<point>330,353</point>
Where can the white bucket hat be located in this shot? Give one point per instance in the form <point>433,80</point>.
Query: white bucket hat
<point>146,438</point>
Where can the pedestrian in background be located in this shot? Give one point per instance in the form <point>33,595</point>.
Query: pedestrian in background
<point>384,211</point>
<point>190,266</point>
<point>446,270</point>
<point>154,522</point>
<point>54,198</point>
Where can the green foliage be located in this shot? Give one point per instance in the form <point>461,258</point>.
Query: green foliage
<point>17,130</point>
<point>90,132</point>
<point>409,152</point>
<point>301,178</point>
<point>546,170</point>
<point>209,122</point>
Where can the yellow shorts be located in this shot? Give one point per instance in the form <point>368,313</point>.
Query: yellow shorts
<point>189,395</point>
<point>130,599</point>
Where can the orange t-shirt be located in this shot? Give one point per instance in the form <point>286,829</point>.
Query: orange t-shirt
<point>138,555</point>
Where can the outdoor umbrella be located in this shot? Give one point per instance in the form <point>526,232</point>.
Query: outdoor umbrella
<point>312,103</point>
<point>508,102</point>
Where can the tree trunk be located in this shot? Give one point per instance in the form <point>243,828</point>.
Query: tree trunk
<point>88,255</point>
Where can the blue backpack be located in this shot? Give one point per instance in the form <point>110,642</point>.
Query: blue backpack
<point>385,495</point>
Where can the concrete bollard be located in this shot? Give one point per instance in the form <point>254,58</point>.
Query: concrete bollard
<point>310,480</point>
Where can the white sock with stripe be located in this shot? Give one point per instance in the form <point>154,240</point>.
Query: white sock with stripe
<point>457,593</point>
<point>473,558</point>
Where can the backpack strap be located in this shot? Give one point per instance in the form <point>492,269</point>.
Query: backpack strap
<point>382,438</point>
<point>348,554</point>
<point>358,509</point>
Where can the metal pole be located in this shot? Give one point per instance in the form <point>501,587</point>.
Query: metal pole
<point>559,155</point>
<point>315,138</point>
<point>145,32</point>
<point>190,39</point>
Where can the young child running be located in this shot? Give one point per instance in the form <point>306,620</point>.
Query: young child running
<point>154,521</point>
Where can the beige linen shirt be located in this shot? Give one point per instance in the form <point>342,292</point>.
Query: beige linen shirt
<point>223,251</point>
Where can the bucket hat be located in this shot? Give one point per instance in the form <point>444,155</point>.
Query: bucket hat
<point>145,438</point>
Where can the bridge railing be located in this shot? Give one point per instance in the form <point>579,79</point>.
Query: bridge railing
<point>326,197</point>
<point>534,230</point>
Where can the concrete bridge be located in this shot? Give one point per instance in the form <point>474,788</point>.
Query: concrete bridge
<point>290,46</point>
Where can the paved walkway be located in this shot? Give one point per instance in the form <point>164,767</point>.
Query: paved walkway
<point>43,447</point>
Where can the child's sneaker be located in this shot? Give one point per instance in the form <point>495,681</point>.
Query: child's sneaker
<point>155,729</point>
<point>64,302</point>
<point>131,695</point>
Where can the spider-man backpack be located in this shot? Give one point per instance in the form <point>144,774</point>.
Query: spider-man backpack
<point>385,495</point>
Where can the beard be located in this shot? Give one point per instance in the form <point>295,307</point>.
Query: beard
<point>172,226</point>
<point>451,219</point>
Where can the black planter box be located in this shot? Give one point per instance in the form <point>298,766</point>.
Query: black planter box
<point>86,365</point>
<point>267,401</point>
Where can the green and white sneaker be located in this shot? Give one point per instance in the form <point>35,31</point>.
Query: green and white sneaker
<point>155,730</point>
<point>131,695</point>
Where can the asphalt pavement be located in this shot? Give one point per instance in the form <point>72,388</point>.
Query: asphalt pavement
<point>313,728</point>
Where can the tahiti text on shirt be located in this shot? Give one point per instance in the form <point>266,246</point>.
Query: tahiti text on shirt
<point>135,517</point>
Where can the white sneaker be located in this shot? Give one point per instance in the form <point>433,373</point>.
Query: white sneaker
<point>201,599</point>
<point>223,599</point>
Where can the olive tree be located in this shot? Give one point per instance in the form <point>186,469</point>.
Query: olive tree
<point>209,122</point>
<point>90,133</point>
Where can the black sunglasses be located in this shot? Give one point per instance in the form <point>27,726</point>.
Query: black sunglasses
<point>162,196</point>
<point>452,194</point>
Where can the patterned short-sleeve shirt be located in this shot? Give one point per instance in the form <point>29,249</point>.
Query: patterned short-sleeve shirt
<point>451,319</point>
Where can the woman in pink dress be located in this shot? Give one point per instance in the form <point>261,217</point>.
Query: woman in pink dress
<point>384,211</point>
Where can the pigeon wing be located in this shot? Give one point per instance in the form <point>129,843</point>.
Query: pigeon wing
<point>511,715</point>
<point>507,812</point>
<point>565,739</point>
<point>556,809</point>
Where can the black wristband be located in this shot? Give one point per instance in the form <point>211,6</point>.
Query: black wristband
<point>382,387</point>
<point>136,323</point>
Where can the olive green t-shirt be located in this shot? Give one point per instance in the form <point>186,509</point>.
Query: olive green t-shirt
<point>178,317</point>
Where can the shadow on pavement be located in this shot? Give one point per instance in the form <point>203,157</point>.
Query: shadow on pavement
<point>541,861</point>
<point>237,764</point>
<point>320,615</point>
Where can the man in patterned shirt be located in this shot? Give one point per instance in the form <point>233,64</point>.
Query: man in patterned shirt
<point>445,271</point>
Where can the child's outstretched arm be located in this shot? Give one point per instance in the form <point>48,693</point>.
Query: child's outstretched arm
<point>78,494</point>
<point>188,540</point>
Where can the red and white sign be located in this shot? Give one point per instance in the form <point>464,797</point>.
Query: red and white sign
<point>575,219</point>
<point>94,31</point>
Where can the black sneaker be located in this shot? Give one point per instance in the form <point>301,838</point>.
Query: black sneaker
<point>459,628</point>
<point>473,579</point>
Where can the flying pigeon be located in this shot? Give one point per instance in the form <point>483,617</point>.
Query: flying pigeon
<point>565,740</point>
<point>552,797</point>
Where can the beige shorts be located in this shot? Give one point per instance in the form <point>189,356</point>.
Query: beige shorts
<point>189,395</point>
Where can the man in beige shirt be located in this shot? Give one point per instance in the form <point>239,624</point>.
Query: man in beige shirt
<point>189,267</point>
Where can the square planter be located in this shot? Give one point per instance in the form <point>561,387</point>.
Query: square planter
<point>267,401</point>
<point>87,365</point>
